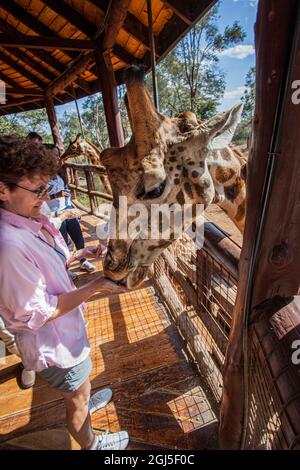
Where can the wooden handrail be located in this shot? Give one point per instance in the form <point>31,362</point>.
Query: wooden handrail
<point>88,171</point>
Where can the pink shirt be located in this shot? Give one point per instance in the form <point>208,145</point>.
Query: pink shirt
<point>32,275</point>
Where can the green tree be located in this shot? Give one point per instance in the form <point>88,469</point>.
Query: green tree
<point>189,77</point>
<point>244,128</point>
<point>22,123</point>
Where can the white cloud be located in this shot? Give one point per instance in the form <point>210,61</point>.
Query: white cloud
<point>234,94</point>
<point>238,52</point>
<point>252,3</point>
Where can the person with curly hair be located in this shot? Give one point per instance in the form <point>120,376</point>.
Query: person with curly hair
<point>38,301</point>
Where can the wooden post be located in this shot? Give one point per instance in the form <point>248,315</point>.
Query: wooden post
<point>53,122</point>
<point>276,270</point>
<point>153,58</point>
<point>110,99</point>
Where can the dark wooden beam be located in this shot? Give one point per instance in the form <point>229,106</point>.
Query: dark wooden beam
<point>18,102</point>
<point>24,91</point>
<point>176,28</point>
<point>270,257</point>
<point>115,22</point>
<point>46,42</point>
<point>72,16</point>
<point>70,75</point>
<point>30,21</point>
<point>131,24</point>
<point>21,55</point>
<point>44,56</point>
<point>110,99</point>
<point>8,80</point>
<point>53,122</point>
<point>124,55</point>
<point>182,9</point>
<point>41,54</point>
<point>22,71</point>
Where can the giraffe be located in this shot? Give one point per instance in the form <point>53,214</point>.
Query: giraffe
<point>81,150</point>
<point>168,161</point>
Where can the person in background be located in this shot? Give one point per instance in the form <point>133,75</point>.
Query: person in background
<point>34,137</point>
<point>9,340</point>
<point>60,200</point>
<point>38,302</point>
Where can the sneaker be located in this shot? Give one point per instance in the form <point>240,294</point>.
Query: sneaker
<point>27,378</point>
<point>87,266</point>
<point>99,400</point>
<point>114,441</point>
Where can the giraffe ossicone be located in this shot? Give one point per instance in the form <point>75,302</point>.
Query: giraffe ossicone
<point>173,162</point>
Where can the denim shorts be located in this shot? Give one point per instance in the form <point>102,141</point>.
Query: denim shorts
<point>67,380</point>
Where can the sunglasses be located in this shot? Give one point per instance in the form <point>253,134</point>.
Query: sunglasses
<point>40,192</point>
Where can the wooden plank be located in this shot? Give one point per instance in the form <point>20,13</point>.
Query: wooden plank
<point>21,55</point>
<point>116,18</point>
<point>24,91</point>
<point>29,20</point>
<point>19,102</point>
<point>70,75</point>
<point>53,122</point>
<point>63,9</point>
<point>21,70</point>
<point>275,25</point>
<point>47,42</point>
<point>183,10</point>
<point>110,99</point>
<point>176,28</point>
<point>131,24</point>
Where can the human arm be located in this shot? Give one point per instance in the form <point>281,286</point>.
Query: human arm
<point>25,296</point>
<point>70,300</point>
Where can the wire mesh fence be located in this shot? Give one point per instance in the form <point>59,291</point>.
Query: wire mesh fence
<point>199,288</point>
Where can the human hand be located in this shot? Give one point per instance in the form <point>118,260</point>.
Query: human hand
<point>96,251</point>
<point>106,286</point>
<point>71,214</point>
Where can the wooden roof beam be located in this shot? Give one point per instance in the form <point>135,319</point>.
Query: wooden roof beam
<point>174,31</point>
<point>46,42</point>
<point>131,24</point>
<point>44,56</point>
<point>8,80</point>
<point>21,70</point>
<point>116,18</point>
<point>71,74</point>
<point>30,21</point>
<point>33,64</point>
<point>182,9</point>
<point>64,10</point>
<point>24,91</point>
<point>18,102</point>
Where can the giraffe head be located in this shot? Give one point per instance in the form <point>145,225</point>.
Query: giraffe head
<point>165,163</point>
<point>81,150</point>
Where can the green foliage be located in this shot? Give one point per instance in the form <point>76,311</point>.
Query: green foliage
<point>22,123</point>
<point>244,128</point>
<point>189,78</point>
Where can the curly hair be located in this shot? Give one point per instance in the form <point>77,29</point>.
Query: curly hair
<point>20,157</point>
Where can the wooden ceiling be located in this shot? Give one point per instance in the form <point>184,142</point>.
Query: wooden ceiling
<point>41,39</point>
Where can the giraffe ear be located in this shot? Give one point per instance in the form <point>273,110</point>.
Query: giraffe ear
<point>221,127</point>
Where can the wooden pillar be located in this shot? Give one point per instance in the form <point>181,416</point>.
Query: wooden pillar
<point>153,58</point>
<point>110,98</point>
<point>270,257</point>
<point>53,122</point>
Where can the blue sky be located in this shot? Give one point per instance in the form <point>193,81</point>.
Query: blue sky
<point>236,61</point>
